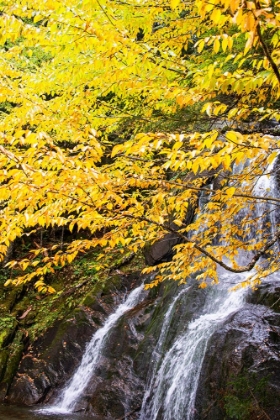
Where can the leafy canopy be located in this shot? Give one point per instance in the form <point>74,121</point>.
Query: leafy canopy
<point>114,117</point>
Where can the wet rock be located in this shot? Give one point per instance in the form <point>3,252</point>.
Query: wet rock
<point>162,250</point>
<point>11,358</point>
<point>116,389</point>
<point>4,355</point>
<point>267,294</point>
<point>51,360</point>
<point>241,370</point>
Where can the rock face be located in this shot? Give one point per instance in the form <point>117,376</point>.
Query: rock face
<point>116,388</point>
<point>241,371</point>
<point>240,377</point>
<point>51,359</point>
<point>12,343</point>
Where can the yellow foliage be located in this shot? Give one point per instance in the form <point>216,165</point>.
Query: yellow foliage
<point>97,130</point>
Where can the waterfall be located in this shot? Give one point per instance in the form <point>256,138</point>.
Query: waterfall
<point>174,374</point>
<point>156,355</point>
<point>73,391</point>
<point>172,388</point>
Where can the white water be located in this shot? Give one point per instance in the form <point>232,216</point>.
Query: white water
<point>171,392</point>
<point>156,355</point>
<point>265,186</point>
<point>173,379</point>
<point>72,393</point>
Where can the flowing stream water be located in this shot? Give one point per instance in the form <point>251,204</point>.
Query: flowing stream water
<point>73,391</point>
<point>8,412</point>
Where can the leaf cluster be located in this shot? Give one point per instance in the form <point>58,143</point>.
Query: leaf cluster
<point>119,135</point>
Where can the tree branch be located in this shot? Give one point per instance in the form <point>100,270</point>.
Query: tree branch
<point>267,53</point>
<point>203,251</point>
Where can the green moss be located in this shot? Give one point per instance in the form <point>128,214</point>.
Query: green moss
<point>8,326</point>
<point>11,297</point>
<point>80,317</point>
<point>89,299</point>
<point>247,397</point>
<point>15,353</point>
<point>4,355</point>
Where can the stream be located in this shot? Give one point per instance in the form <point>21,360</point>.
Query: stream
<point>25,413</point>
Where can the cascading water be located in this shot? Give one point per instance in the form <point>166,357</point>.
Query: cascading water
<point>72,393</point>
<point>174,376</point>
<point>172,388</point>
<point>156,355</point>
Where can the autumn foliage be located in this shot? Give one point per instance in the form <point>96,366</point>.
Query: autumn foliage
<point>117,116</point>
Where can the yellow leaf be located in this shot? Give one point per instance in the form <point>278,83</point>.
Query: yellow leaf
<point>240,157</point>
<point>208,109</point>
<point>224,43</point>
<point>230,191</point>
<point>51,289</point>
<point>24,265</point>
<point>230,41</point>
<point>177,145</point>
<point>37,18</point>
<point>226,162</point>
<point>200,45</point>
<point>216,46</point>
<point>234,5</point>
<point>174,3</point>
<point>7,282</point>
<point>234,136</point>
<point>180,100</point>
<point>70,258</point>
<point>272,157</point>
<point>249,42</point>
<point>116,150</point>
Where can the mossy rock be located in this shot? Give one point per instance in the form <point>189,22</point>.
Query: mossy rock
<point>80,317</point>
<point>89,299</point>
<point>4,355</point>
<point>8,325</point>
<point>14,295</point>
<point>98,289</point>
<point>15,352</point>
<point>11,361</point>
